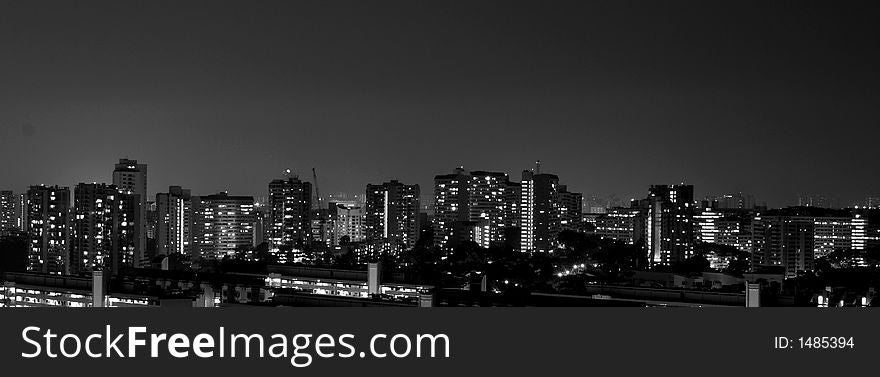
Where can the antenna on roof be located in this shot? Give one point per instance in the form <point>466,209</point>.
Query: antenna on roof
<point>538,167</point>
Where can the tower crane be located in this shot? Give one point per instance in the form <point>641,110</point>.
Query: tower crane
<point>318,202</point>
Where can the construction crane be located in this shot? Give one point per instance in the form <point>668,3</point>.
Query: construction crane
<point>317,204</point>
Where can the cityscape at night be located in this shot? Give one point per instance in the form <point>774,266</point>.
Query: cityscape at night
<point>476,238</point>
<point>449,154</point>
<point>443,188</point>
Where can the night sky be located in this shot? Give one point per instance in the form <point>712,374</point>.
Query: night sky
<point>769,99</point>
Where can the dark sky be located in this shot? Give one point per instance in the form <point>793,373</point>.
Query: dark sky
<point>771,98</point>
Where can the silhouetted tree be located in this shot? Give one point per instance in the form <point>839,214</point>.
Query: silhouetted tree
<point>345,259</point>
<point>696,263</point>
<point>739,260</point>
<point>13,254</point>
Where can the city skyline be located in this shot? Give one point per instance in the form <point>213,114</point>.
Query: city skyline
<point>481,218</point>
<point>439,188</point>
<point>774,103</point>
<point>113,226</point>
<point>823,199</point>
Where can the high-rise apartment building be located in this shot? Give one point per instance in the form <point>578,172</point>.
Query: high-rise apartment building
<point>152,220</point>
<point>571,211</point>
<point>622,224</point>
<point>290,209</point>
<point>8,218</point>
<point>706,221</point>
<point>795,237</point>
<point>512,198</point>
<point>21,211</point>
<point>223,224</point>
<point>130,176</point>
<point>321,227</point>
<point>670,227</point>
<point>174,222</point>
<point>732,201</point>
<point>261,223</point>
<point>477,206</point>
<point>492,202</point>
<point>452,214</point>
<point>102,234</point>
<point>838,233</point>
<point>540,214</point>
<point>391,213</point>
<point>734,230</point>
<point>48,214</point>
<point>786,241</point>
<point>347,219</point>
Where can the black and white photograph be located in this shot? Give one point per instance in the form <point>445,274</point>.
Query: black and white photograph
<point>687,169</point>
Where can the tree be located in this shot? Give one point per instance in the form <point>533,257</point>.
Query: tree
<point>13,254</point>
<point>422,262</point>
<point>740,265</point>
<point>467,257</point>
<point>739,260</point>
<point>346,259</point>
<point>696,263</point>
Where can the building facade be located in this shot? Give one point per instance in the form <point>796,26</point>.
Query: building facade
<point>8,217</point>
<point>391,213</point>
<point>224,224</point>
<point>540,214</point>
<point>103,229</point>
<point>130,176</point>
<point>670,228</point>
<point>451,210</point>
<point>477,206</point>
<point>48,228</point>
<point>795,238</point>
<point>785,241</point>
<point>290,208</point>
<point>174,222</point>
<point>571,211</point>
<point>347,219</point>
<point>734,230</point>
<point>622,224</point>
